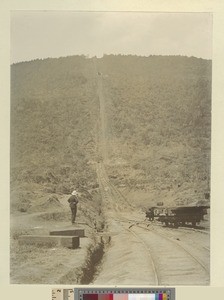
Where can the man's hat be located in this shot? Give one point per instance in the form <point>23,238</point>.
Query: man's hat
<point>74,193</point>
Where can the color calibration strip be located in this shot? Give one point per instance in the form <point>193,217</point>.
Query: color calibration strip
<point>129,296</point>
<point>113,294</point>
<point>125,294</point>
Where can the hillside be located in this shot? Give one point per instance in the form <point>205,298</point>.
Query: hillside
<point>54,111</point>
<point>158,112</point>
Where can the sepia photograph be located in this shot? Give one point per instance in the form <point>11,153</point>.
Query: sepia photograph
<point>110,148</point>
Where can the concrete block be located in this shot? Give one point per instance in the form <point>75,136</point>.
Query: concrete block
<point>50,241</point>
<point>70,232</point>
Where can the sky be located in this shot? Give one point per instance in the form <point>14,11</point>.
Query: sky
<point>42,34</point>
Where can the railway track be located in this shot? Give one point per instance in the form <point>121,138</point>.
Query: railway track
<point>176,233</point>
<point>115,201</point>
<point>176,241</point>
<point>196,250</point>
<point>167,259</point>
<point>107,184</point>
<point>173,261</point>
<point>151,261</point>
<point>163,260</point>
<point>199,246</point>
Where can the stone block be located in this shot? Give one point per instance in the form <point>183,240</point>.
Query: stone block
<point>70,232</point>
<point>50,241</point>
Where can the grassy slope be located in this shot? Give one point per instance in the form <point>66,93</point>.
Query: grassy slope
<point>54,113</point>
<point>158,115</point>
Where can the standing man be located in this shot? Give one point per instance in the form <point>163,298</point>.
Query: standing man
<point>73,201</point>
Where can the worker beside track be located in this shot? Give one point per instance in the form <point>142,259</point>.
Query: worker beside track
<point>73,201</point>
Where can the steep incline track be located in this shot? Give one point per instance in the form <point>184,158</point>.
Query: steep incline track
<point>125,246</point>
<point>137,254</point>
<point>103,119</point>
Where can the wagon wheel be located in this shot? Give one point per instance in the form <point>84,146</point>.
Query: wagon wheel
<point>176,225</point>
<point>193,223</point>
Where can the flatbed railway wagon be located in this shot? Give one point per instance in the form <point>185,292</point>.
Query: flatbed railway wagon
<point>180,216</point>
<point>154,212</point>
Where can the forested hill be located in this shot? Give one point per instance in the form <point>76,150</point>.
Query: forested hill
<point>160,118</point>
<point>158,112</point>
<point>54,119</point>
